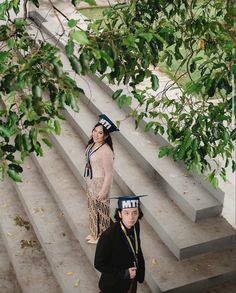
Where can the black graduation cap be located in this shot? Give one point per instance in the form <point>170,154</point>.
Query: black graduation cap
<point>128,201</point>
<point>107,123</point>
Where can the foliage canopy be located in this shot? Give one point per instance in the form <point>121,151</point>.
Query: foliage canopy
<point>126,46</point>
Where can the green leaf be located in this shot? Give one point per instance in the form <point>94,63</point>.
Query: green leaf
<point>120,6</point>
<point>116,94</point>
<point>16,4</point>
<point>107,58</point>
<point>84,61</point>
<point>58,69</point>
<point>8,148</point>
<point>155,82</point>
<point>192,67</point>
<point>26,142</point>
<point>19,142</point>
<point>37,91</point>
<point>10,43</point>
<point>57,127</point>
<point>80,37</point>
<point>36,3</point>
<point>47,142</point>
<point>124,101</point>
<point>75,2</point>
<point>15,167</point>
<point>164,151</point>
<point>233,166</point>
<point>234,70</point>
<point>69,48</point>
<point>146,36</point>
<point>5,131</point>
<point>215,182</point>
<point>3,8</point>
<point>3,56</point>
<point>20,24</point>
<point>75,64</point>
<point>14,175</point>
<point>198,167</point>
<point>148,126</point>
<point>96,53</point>
<point>72,23</point>
<point>33,135</point>
<point>91,2</point>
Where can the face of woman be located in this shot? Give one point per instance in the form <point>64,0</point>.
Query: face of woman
<point>129,217</point>
<point>98,134</point>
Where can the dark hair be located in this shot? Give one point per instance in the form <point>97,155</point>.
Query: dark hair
<point>117,217</point>
<point>108,139</point>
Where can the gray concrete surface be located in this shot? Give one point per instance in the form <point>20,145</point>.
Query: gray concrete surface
<point>30,265</point>
<point>65,255</point>
<point>8,281</point>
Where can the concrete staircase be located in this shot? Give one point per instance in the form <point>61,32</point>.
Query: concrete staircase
<point>8,281</point>
<point>188,246</point>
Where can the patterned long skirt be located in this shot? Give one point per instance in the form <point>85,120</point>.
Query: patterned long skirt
<point>99,211</point>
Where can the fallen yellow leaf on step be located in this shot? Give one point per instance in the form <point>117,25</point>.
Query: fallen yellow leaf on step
<point>154,261</point>
<point>4,205</point>
<point>38,210</point>
<point>76,283</point>
<point>70,273</point>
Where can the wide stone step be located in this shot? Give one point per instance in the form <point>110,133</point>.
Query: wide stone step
<point>186,276</point>
<point>226,287</point>
<point>195,201</point>
<point>8,281</point>
<point>183,237</point>
<point>164,273</point>
<point>30,265</point>
<point>74,205</point>
<point>66,257</point>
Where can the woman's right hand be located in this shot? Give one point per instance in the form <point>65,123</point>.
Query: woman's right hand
<point>101,197</point>
<point>132,272</point>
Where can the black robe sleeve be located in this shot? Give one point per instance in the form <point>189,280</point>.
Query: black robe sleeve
<point>102,260</point>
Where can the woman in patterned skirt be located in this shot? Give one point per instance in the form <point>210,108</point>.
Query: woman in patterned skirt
<point>99,176</point>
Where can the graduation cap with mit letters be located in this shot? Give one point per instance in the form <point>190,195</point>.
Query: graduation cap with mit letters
<point>128,201</point>
<point>107,123</point>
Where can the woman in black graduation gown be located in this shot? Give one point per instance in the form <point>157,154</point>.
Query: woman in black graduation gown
<point>118,254</point>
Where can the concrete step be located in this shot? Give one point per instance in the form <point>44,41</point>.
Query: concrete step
<point>190,275</point>
<point>191,197</point>
<point>164,273</point>
<point>8,281</point>
<point>74,205</point>
<point>66,257</point>
<point>30,265</point>
<point>226,287</point>
<point>183,237</point>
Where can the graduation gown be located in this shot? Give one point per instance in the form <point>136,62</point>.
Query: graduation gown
<point>114,257</point>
